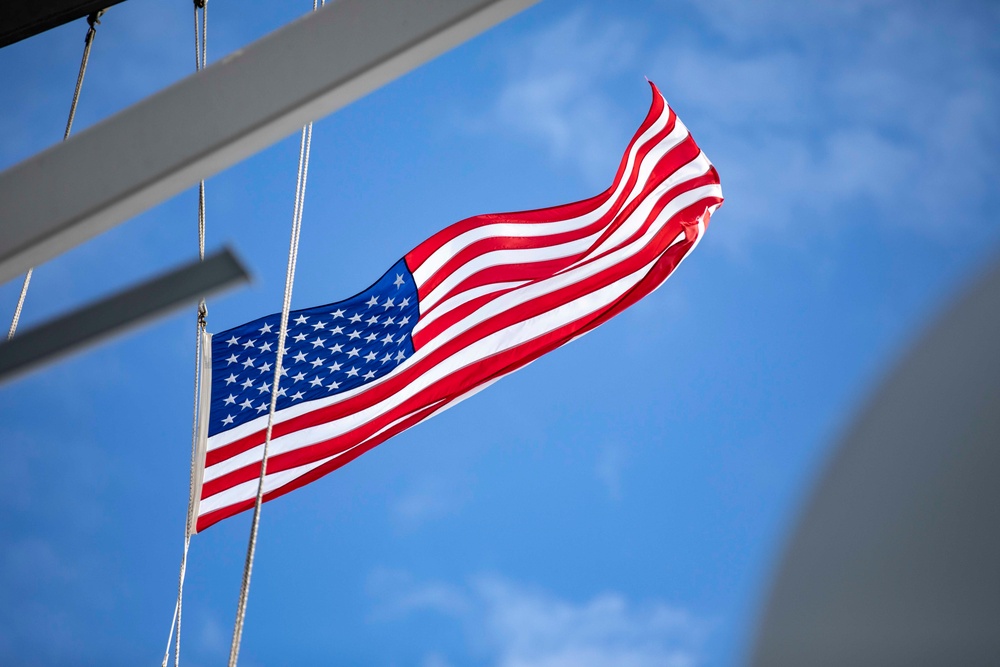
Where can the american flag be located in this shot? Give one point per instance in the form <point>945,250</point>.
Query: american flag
<point>474,302</point>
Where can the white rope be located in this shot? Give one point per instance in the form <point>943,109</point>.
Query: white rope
<point>178,606</point>
<point>20,304</point>
<point>92,21</point>
<point>293,250</point>
<point>200,60</point>
<point>305,144</point>
<point>199,64</point>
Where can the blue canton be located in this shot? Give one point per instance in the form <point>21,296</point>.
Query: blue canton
<point>328,349</point>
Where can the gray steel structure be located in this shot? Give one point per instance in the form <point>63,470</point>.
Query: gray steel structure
<point>234,108</point>
<point>168,142</point>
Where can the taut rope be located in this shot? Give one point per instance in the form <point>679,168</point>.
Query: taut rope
<point>93,20</point>
<point>293,253</point>
<point>200,60</point>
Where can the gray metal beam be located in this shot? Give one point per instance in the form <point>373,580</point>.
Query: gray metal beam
<point>207,122</point>
<point>119,312</point>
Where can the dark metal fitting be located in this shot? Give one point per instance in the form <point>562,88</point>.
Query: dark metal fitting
<point>95,17</point>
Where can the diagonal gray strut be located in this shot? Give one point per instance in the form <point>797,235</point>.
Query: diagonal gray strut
<point>118,312</point>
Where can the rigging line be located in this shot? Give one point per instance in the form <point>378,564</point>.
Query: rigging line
<point>282,331</point>
<point>305,145</point>
<point>200,61</point>
<point>92,21</point>
<point>178,606</point>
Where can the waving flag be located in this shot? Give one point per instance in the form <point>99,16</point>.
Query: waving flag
<point>474,302</point>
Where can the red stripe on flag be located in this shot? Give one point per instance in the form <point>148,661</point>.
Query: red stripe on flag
<point>381,392</point>
<point>419,255</point>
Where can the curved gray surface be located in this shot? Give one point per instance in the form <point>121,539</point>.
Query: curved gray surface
<point>896,559</point>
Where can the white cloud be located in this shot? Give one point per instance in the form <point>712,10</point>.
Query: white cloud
<point>822,118</point>
<point>517,626</point>
<point>426,500</point>
<point>399,594</point>
<point>610,463</point>
<point>35,574</point>
<point>213,637</point>
<point>735,19</point>
<point>42,567</point>
<point>32,562</point>
<point>417,506</point>
<point>435,660</point>
<point>880,104</point>
<point>553,92</point>
<point>746,91</point>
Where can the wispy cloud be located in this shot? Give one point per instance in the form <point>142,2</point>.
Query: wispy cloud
<point>435,660</point>
<point>519,626</point>
<point>886,107</point>
<point>553,92</point>
<point>426,500</point>
<point>32,561</point>
<point>609,467</point>
<point>42,567</point>
<point>822,118</point>
<point>398,594</point>
<point>34,573</point>
<point>212,635</point>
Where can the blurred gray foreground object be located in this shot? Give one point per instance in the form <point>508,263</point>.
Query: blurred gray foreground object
<point>896,559</point>
<point>119,312</point>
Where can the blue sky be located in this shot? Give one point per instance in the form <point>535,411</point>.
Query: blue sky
<point>621,501</point>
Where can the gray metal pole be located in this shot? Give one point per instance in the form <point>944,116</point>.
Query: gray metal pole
<point>119,312</point>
